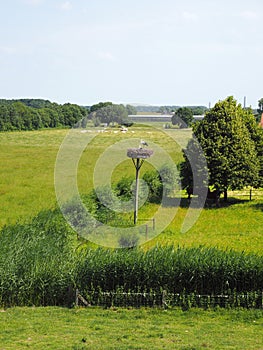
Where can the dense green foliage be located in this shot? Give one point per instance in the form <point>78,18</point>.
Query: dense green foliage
<point>99,105</point>
<point>260,106</point>
<point>131,109</point>
<point>232,145</point>
<point>193,170</point>
<point>109,113</point>
<point>41,264</point>
<point>183,117</point>
<point>30,114</point>
<point>196,110</point>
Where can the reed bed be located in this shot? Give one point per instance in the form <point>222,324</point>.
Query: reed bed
<point>42,263</point>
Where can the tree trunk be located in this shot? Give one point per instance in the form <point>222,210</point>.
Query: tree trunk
<point>225,196</point>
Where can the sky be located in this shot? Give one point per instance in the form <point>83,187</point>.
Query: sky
<point>158,52</point>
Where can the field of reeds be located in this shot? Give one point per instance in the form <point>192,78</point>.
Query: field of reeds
<point>43,263</point>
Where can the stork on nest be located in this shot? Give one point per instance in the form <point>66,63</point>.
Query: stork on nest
<point>143,143</point>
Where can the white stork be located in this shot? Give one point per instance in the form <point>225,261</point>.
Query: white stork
<point>143,143</point>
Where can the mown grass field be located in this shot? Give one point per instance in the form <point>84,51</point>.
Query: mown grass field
<point>94,328</point>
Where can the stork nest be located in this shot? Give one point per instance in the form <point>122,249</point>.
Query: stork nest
<point>139,153</point>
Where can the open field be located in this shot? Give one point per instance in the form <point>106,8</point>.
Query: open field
<point>95,328</point>
<point>28,161</point>
<point>27,186</point>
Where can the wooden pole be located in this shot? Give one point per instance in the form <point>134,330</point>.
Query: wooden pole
<point>136,201</point>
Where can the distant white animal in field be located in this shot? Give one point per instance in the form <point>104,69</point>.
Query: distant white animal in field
<point>143,143</point>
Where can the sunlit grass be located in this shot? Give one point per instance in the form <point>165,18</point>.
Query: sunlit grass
<point>95,328</point>
<point>27,187</point>
<point>28,160</point>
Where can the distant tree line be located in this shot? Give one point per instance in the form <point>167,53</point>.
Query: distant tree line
<point>196,110</point>
<point>34,114</point>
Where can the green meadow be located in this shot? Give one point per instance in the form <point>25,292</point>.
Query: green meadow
<point>94,328</point>
<point>27,186</point>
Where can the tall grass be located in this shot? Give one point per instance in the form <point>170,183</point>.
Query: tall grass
<point>200,270</point>
<point>37,262</point>
<point>43,263</point>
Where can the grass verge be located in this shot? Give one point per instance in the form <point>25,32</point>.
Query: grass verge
<point>96,328</point>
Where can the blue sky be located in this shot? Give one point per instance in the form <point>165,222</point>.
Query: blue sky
<point>164,52</point>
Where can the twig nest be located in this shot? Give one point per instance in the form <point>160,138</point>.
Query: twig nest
<point>143,153</point>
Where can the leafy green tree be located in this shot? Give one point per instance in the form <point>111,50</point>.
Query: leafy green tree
<point>99,105</point>
<point>193,170</point>
<point>32,114</point>
<point>183,117</point>
<point>131,109</point>
<point>260,106</point>
<point>164,109</point>
<point>198,110</point>
<point>104,203</point>
<point>123,188</point>
<point>71,114</point>
<point>153,180</point>
<point>256,134</point>
<point>228,146</point>
<point>169,177</point>
<point>112,114</point>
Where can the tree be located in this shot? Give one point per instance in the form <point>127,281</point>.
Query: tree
<point>99,105</point>
<point>229,147</point>
<point>112,114</point>
<point>183,117</point>
<point>169,178</point>
<point>256,134</point>
<point>153,180</point>
<point>131,109</point>
<point>193,170</point>
<point>260,106</point>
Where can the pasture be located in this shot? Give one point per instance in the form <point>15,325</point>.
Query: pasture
<point>27,187</point>
<point>38,271</point>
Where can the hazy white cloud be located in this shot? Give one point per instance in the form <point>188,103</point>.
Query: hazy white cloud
<point>251,15</point>
<point>66,6</point>
<point>189,16</point>
<point>7,50</point>
<point>107,56</point>
<point>33,2</point>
